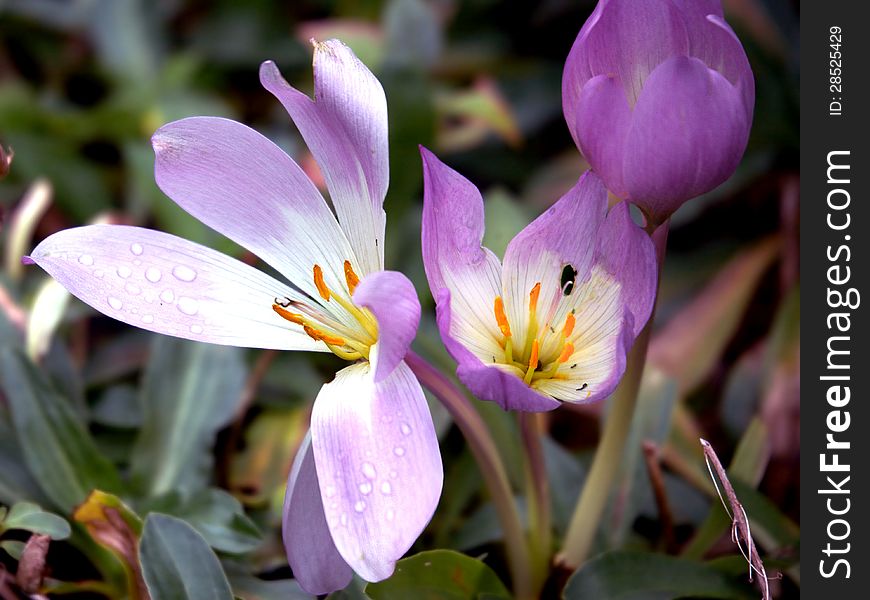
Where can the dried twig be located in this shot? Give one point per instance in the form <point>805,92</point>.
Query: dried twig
<point>657,481</point>
<point>739,521</point>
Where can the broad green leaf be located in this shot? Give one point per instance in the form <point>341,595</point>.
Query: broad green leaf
<point>30,517</point>
<point>177,563</point>
<point>253,588</point>
<point>644,576</point>
<point>216,515</point>
<point>16,481</point>
<point>440,575</point>
<point>14,548</point>
<point>57,447</point>
<point>505,217</point>
<point>189,392</point>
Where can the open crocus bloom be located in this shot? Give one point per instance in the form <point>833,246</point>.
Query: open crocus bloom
<point>659,95</point>
<point>368,482</point>
<point>554,321</point>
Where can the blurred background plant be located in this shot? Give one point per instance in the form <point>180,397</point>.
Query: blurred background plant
<point>189,445</point>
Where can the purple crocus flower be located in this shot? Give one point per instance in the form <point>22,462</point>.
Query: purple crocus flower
<point>554,320</point>
<point>658,95</point>
<point>368,480</point>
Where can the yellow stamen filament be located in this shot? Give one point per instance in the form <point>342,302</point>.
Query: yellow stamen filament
<point>321,285</point>
<point>350,277</point>
<point>532,330</point>
<point>533,362</point>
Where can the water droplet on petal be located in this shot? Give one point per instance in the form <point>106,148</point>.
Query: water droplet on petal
<point>359,506</point>
<point>330,491</point>
<point>406,429</point>
<point>153,274</point>
<point>343,519</point>
<point>188,306</point>
<point>399,451</point>
<point>368,470</point>
<point>386,488</point>
<point>391,514</point>
<point>124,272</point>
<point>133,289</point>
<point>197,329</point>
<point>86,259</point>
<point>167,296</point>
<point>99,274</point>
<point>148,318</point>
<point>136,249</point>
<point>393,474</point>
<point>183,273</point>
<point>365,488</point>
<point>114,303</point>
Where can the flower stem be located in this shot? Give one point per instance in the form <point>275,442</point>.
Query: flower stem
<point>538,496</point>
<point>489,462</point>
<point>608,456</point>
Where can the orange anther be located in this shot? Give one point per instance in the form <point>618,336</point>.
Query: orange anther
<point>321,285</point>
<point>319,336</point>
<point>533,297</point>
<point>533,359</point>
<point>351,277</point>
<point>569,325</point>
<point>286,314</point>
<point>567,351</point>
<point>501,317</point>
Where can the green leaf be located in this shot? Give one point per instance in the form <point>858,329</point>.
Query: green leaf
<point>644,576</point>
<point>216,515</point>
<point>14,548</point>
<point>30,517</point>
<point>189,392</point>
<point>177,563</point>
<point>57,447</point>
<point>439,575</point>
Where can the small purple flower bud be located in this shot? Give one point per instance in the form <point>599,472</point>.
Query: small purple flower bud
<point>658,95</point>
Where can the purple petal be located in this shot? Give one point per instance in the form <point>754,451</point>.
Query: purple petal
<point>567,234</point>
<point>393,300</point>
<point>162,283</point>
<point>627,253</point>
<point>688,134</point>
<point>242,185</point>
<point>345,127</point>
<point>378,463</point>
<point>487,382</point>
<point>316,563</point>
<point>603,122</point>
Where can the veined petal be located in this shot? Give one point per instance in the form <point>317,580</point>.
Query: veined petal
<point>245,187</point>
<point>393,300</point>
<point>454,258</point>
<point>166,284</point>
<point>564,236</point>
<point>688,133</point>
<point>345,127</point>
<point>487,381</point>
<point>378,464</point>
<point>316,563</point>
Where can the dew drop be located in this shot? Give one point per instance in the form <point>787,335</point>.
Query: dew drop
<point>334,504</point>
<point>99,274</point>
<point>183,273</point>
<point>359,506</point>
<point>393,474</point>
<point>368,470</point>
<point>386,488</point>
<point>330,491</point>
<point>391,514</point>
<point>343,519</point>
<point>365,488</point>
<point>136,249</point>
<point>399,451</point>
<point>115,303</point>
<point>188,306</point>
<point>148,318</point>
<point>406,429</point>
<point>86,259</point>
<point>167,296</point>
<point>124,272</point>
<point>133,289</point>
<point>153,274</point>
<point>196,329</point>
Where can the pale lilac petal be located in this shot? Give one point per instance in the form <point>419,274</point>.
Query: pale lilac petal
<point>378,463</point>
<point>243,186</point>
<point>162,283</point>
<point>603,122</point>
<point>565,235</point>
<point>454,258</point>
<point>627,253</point>
<point>345,127</point>
<point>393,300</point>
<point>688,134</point>
<point>316,563</point>
<point>487,382</point>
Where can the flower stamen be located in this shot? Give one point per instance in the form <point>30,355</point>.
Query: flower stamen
<point>321,285</point>
<point>505,328</point>
<point>533,362</point>
<point>532,331</point>
<point>350,277</point>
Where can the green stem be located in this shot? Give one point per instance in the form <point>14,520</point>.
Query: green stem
<point>538,497</point>
<point>608,455</point>
<point>491,467</point>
